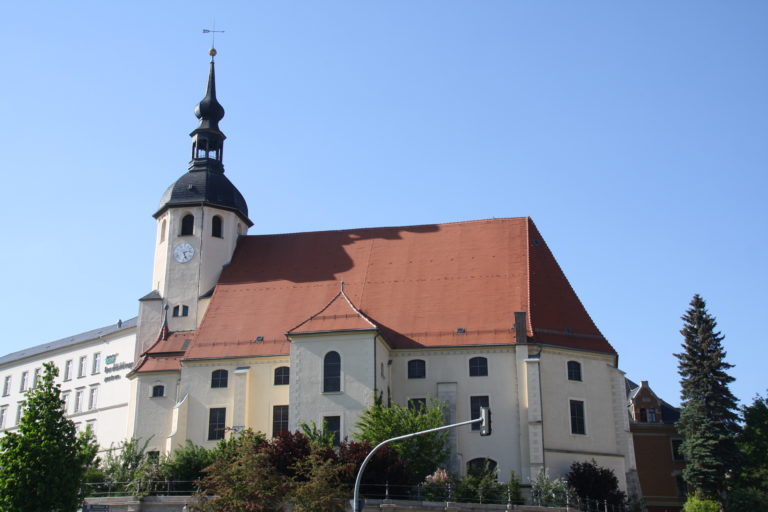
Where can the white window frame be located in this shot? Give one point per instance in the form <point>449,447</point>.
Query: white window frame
<point>23,385</point>
<point>65,399</point>
<point>7,385</point>
<point>19,412</point>
<point>36,376</point>
<point>79,400</point>
<point>82,364</point>
<point>68,370</point>
<point>3,414</point>
<point>96,363</point>
<point>93,398</point>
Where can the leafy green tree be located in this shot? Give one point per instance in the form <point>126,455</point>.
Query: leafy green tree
<point>695,504</point>
<point>424,453</point>
<point>752,440</point>
<point>549,492</point>
<point>747,499</point>
<point>707,418</point>
<point>243,478</point>
<point>42,464</point>
<point>317,435</point>
<point>592,482</point>
<point>481,485</point>
<point>319,485</point>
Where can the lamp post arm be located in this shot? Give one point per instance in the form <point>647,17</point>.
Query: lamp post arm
<point>356,496</point>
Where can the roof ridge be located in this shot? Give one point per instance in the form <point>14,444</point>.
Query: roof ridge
<point>452,223</point>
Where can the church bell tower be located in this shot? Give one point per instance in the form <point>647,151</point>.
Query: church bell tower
<point>199,220</point>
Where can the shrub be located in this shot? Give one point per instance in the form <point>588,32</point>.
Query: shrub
<point>749,499</point>
<point>694,504</point>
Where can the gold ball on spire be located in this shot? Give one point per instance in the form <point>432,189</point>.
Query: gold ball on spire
<point>212,52</point>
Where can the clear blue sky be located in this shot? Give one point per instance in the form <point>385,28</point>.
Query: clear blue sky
<point>635,134</point>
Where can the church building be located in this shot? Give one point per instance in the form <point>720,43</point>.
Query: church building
<point>266,331</point>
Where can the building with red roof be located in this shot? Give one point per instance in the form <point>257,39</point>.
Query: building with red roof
<point>268,331</point>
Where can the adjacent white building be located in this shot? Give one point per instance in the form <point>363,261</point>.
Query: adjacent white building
<point>92,373</point>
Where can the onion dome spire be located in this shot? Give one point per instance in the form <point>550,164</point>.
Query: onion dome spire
<point>205,183</point>
<point>207,138</point>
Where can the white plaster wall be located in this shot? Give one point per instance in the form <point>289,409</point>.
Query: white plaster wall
<point>452,366</point>
<point>112,405</point>
<point>601,440</point>
<point>308,402</point>
<point>154,415</point>
<point>183,283</point>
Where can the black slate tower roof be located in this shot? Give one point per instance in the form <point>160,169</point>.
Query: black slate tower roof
<point>205,183</point>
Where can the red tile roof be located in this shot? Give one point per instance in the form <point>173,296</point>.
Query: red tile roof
<point>418,284</point>
<point>338,315</point>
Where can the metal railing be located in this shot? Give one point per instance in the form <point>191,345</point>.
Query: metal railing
<point>141,488</point>
<point>498,494</point>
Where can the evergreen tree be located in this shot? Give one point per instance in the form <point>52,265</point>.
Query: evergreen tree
<point>708,421</point>
<point>42,464</point>
<point>753,443</point>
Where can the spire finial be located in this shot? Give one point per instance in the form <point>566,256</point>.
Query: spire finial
<point>213,32</point>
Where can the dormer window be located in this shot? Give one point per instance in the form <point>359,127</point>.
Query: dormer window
<point>216,226</point>
<point>188,225</point>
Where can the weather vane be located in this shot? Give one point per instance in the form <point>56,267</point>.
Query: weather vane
<point>213,33</point>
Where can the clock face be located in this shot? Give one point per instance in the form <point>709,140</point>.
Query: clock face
<point>183,252</point>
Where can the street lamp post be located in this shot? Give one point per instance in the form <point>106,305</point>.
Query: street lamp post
<point>485,430</point>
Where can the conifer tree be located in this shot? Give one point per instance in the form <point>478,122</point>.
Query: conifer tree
<point>708,421</point>
<point>42,464</point>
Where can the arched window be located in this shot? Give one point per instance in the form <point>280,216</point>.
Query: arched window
<point>481,466</point>
<point>574,370</point>
<point>282,376</point>
<point>219,378</point>
<point>163,225</point>
<point>417,369</point>
<point>332,372</point>
<point>188,225</point>
<point>158,391</point>
<point>478,367</point>
<point>216,226</point>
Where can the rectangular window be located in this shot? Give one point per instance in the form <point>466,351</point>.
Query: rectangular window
<point>81,366</point>
<point>36,377</point>
<point>65,402</point>
<point>79,400</point>
<point>93,397</point>
<point>676,453</point>
<point>19,410</point>
<point>333,424</point>
<point>279,419</point>
<point>23,386</point>
<point>651,415</point>
<point>96,364</point>
<point>3,412</point>
<point>418,404</point>
<point>68,370</point>
<point>578,425</point>
<point>644,415</point>
<point>475,403</point>
<point>7,385</point>
<point>216,419</point>
<point>91,424</point>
